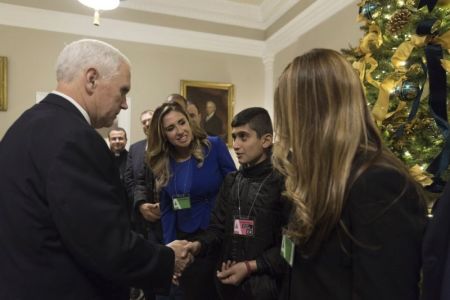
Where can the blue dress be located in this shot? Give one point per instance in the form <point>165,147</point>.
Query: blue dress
<point>202,184</point>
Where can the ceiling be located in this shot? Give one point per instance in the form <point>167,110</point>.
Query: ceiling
<point>258,14</point>
<point>259,28</point>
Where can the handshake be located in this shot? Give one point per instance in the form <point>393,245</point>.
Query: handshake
<point>184,256</point>
<point>231,272</point>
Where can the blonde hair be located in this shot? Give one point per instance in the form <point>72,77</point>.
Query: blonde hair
<point>321,94</point>
<point>160,150</point>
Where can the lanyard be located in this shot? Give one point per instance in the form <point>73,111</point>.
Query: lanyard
<point>184,191</point>
<point>254,199</point>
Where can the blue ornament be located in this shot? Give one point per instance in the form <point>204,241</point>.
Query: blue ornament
<point>369,10</point>
<point>408,90</point>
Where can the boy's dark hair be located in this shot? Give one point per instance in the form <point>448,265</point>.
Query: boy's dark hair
<point>257,118</point>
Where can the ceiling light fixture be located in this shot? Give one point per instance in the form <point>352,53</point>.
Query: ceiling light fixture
<point>99,5</point>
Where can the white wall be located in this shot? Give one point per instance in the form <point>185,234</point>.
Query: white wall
<point>156,72</point>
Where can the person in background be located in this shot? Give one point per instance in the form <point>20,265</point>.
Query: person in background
<point>135,159</point>
<point>356,226</point>
<point>117,138</point>
<point>177,98</point>
<point>188,169</point>
<point>64,229</point>
<point>194,113</point>
<point>247,220</point>
<point>135,165</point>
<point>213,124</point>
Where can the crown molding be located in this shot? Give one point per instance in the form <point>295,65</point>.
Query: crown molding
<point>312,16</point>
<point>272,10</point>
<point>27,17</point>
<point>219,11</point>
<point>34,18</point>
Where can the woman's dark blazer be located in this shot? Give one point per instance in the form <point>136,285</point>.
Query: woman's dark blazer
<point>382,259</point>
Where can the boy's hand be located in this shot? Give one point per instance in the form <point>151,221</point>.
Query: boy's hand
<point>194,247</point>
<point>232,273</point>
<point>183,257</point>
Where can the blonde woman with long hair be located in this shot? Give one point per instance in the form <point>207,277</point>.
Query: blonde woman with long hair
<point>357,217</point>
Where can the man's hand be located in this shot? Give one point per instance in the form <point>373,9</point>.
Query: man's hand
<point>234,273</point>
<point>194,247</point>
<point>183,257</point>
<point>150,211</point>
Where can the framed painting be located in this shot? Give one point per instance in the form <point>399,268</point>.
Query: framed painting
<point>3,83</point>
<point>215,103</point>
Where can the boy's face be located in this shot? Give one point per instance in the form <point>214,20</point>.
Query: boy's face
<point>250,150</point>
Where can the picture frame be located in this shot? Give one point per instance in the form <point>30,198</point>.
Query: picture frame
<point>3,83</point>
<point>202,93</point>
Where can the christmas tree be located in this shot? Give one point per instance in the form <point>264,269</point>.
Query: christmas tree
<point>402,62</point>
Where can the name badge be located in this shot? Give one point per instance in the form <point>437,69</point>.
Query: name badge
<point>181,202</point>
<point>287,250</point>
<point>244,227</point>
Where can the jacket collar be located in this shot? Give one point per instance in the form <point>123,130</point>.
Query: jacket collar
<point>259,170</point>
<point>65,104</point>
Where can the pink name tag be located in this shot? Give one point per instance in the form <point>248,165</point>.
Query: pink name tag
<point>244,227</point>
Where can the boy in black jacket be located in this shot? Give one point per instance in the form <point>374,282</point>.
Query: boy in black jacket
<point>247,220</point>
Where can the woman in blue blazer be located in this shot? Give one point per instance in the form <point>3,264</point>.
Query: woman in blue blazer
<point>188,168</point>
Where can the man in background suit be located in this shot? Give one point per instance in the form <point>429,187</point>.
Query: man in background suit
<point>64,229</point>
<point>194,113</point>
<point>136,155</point>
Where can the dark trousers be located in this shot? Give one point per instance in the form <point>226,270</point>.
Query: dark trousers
<point>197,281</point>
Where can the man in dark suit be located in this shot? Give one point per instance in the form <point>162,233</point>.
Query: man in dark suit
<point>213,125</point>
<point>64,229</point>
<point>136,155</point>
<point>194,113</point>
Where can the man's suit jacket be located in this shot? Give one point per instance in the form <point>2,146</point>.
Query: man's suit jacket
<point>64,229</point>
<point>135,165</point>
<point>121,163</point>
<point>213,126</point>
<point>436,252</point>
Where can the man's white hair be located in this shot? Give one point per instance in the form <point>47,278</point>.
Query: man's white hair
<point>80,55</point>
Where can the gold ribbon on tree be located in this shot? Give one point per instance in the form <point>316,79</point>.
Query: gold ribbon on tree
<point>404,50</point>
<point>445,65</point>
<point>373,37</point>
<point>421,176</point>
<point>381,106</point>
<point>380,109</point>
